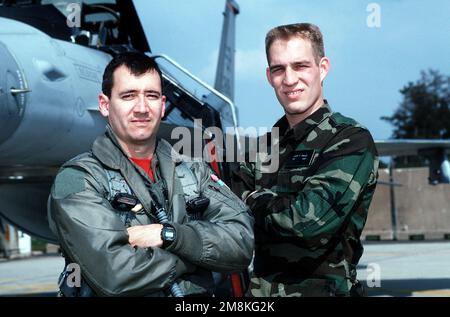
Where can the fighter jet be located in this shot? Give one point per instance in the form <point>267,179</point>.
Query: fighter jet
<point>52,57</point>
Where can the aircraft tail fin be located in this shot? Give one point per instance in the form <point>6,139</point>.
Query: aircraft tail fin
<point>224,82</point>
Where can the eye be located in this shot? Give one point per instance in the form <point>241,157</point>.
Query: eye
<point>152,96</point>
<point>276,70</point>
<point>128,96</point>
<point>300,66</point>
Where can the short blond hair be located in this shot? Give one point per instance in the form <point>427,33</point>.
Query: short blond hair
<point>303,30</point>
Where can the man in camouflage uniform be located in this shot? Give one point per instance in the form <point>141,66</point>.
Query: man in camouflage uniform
<point>310,212</point>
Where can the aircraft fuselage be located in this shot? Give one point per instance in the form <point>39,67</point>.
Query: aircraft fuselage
<point>48,96</point>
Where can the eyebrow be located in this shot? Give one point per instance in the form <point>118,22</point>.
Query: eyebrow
<point>303,61</point>
<point>134,91</point>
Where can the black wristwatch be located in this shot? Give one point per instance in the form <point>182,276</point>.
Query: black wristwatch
<point>168,235</point>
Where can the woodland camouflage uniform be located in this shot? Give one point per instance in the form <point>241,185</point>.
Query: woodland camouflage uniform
<point>311,211</point>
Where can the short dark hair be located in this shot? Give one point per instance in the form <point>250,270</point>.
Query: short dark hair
<point>303,30</point>
<point>138,63</point>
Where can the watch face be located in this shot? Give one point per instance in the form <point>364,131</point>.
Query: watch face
<point>169,234</point>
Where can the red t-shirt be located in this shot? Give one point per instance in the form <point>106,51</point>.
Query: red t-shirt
<point>146,165</point>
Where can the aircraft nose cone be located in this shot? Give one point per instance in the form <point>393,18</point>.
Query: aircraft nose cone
<point>12,94</point>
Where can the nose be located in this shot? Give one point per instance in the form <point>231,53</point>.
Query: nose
<point>290,77</point>
<point>141,104</point>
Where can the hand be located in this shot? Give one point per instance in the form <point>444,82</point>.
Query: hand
<point>148,236</point>
<point>259,198</point>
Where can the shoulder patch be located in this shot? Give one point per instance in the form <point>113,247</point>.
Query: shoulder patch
<point>68,181</point>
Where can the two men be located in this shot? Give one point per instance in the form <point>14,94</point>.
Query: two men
<point>309,214</point>
<point>120,211</point>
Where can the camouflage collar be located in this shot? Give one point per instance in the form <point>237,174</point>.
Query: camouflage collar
<point>303,128</point>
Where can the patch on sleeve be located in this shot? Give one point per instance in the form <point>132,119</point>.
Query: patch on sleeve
<point>68,181</point>
<point>218,180</point>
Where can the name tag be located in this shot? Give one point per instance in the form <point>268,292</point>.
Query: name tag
<point>299,158</point>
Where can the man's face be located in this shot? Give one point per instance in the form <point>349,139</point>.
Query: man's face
<point>296,78</point>
<point>136,106</point>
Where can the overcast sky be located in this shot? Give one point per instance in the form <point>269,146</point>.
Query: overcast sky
<point>372,56</point>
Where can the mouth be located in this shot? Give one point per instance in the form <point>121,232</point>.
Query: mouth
<point>293,93</point>
<point>140,121</point>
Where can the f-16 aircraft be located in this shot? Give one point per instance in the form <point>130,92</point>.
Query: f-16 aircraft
<point>52,56</point>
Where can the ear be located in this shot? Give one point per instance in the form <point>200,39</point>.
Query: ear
<point>103,104</point>
<point>269,78</point>
<point>163,105</point>
<point>324,66</point>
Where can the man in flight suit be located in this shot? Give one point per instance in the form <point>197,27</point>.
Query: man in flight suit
<point>105,205</point>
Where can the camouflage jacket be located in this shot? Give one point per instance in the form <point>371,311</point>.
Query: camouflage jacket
<point>310,212</point>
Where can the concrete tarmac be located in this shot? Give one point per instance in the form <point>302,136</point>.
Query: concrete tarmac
<point>400,269</point>
<point>36,275</point>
